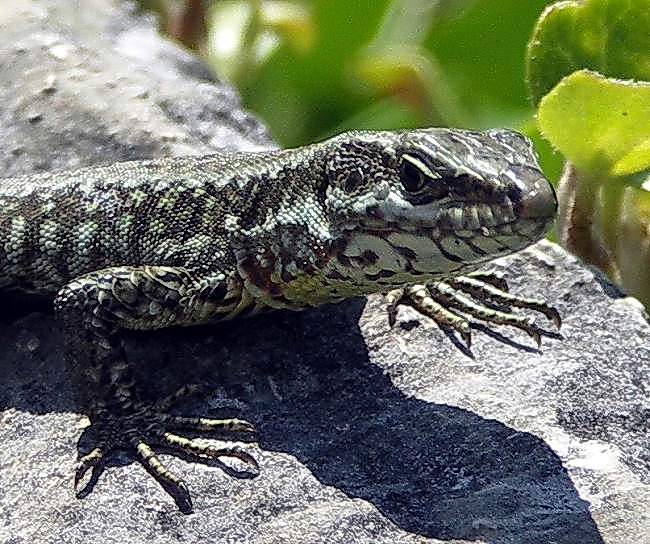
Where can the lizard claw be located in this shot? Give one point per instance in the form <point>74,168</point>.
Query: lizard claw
<point>393,300</point>
<point>171,483</point>
<point>466,334</point>
<point>92,461</point>
<point>535,335</point>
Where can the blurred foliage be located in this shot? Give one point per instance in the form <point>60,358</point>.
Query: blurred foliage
<point>589,72</point>
<point>311,69</point>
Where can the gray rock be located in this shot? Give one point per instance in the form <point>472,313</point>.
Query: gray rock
<point>367,434</point>
<point>91,82</point>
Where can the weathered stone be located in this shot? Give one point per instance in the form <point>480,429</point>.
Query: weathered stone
<point>367,434</point>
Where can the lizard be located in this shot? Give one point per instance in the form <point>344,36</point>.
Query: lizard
<point>192,240</point>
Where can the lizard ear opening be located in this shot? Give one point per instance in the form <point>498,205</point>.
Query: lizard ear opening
<point>354,179</point>
<point>354,164</point>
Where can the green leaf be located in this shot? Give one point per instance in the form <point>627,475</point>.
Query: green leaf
<point>599,124</point>
<point>609,36</point>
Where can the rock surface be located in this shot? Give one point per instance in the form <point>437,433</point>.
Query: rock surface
<point>367,434</point>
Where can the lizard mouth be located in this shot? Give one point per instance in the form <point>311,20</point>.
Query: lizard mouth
<point>452,238</point>
<point>465,220</point>
<point>393,255</point>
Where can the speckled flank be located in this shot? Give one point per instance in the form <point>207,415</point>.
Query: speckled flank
<point>181,241</point>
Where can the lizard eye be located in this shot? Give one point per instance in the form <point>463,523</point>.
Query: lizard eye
<point>413,173</point>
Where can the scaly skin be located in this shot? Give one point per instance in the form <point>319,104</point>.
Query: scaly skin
<point>183,241</point>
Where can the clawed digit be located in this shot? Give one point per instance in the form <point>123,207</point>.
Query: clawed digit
<point>476,295</point>
<point>153,429</point>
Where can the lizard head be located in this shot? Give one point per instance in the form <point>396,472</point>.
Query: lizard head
<point>419,204</point>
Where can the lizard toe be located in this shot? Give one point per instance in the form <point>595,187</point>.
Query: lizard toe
<point>141,427</point>
<point>93,462</point>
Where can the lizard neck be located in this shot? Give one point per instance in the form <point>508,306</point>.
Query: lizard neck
<point>284,244</point>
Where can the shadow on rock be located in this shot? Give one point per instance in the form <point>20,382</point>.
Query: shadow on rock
<point>306,381</point>
<point>433,469</point>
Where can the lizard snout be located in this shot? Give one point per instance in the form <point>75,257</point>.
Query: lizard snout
<point>537,198</point>
<point>539,202</point>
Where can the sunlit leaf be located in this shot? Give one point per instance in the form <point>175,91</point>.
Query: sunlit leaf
<point>611,37</point>
<point>599,124</point>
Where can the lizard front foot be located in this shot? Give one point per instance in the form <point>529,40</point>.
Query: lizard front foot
<point>94,309</point>
<point>141,430</point>
<point>439,300</point>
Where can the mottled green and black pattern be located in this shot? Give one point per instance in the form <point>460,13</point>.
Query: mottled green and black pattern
<point>182,241</point>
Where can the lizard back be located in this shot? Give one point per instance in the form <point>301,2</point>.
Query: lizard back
<point>171,212</point>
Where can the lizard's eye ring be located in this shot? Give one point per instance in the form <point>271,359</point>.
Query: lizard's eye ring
<point>413,173</point>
